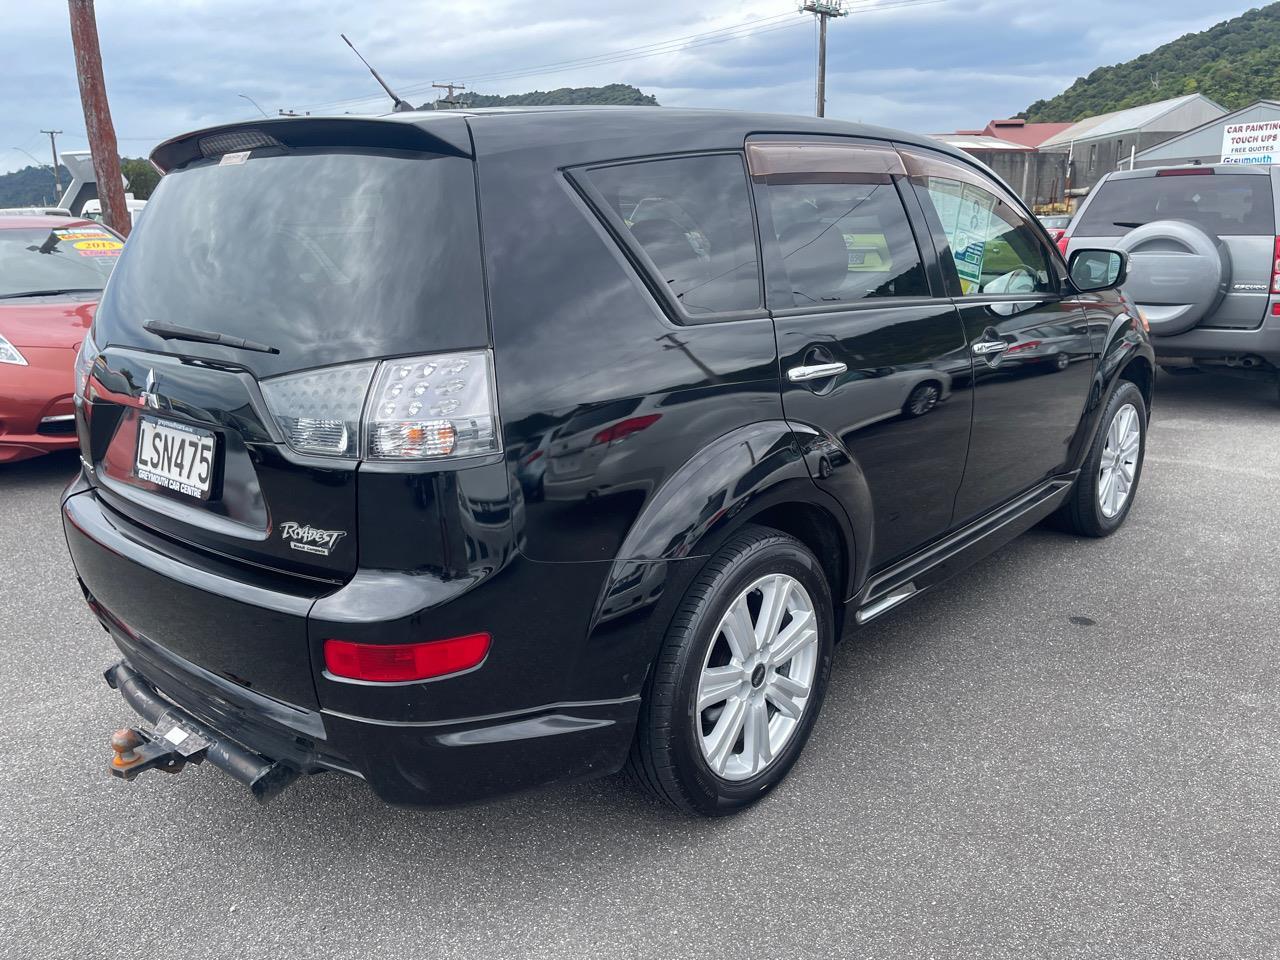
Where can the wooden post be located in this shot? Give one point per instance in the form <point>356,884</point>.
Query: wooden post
<point>97,116</point>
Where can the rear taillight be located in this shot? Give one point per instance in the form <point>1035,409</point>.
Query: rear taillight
<point>404,662</point>
<point>625,428</point>
<point>1063,242</point>
<point>415,408</point>
<point>1027,345</point>
<point>86,356</point>
<point>427,407</point>
<point>1275,267</point>
<point>319,410</point>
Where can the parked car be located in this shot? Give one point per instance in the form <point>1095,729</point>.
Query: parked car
<point>712,421</point>
<point>1056,225</point>
<point>1204,256</point>
<point>52,270</point>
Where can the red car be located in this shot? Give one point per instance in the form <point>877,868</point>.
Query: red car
<point>52,271</point>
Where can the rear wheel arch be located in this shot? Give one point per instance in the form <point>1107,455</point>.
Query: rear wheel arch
<point>1140,372</point>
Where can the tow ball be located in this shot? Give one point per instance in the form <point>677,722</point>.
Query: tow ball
<point>135,751</point>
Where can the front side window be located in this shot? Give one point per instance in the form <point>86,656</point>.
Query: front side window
<point>691,216</point>
<point>994,249</point>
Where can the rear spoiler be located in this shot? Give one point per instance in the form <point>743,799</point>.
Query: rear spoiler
<point>440,134</point>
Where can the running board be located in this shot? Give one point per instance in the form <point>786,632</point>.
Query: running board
<point>886,603</point>
<point>957,552</point>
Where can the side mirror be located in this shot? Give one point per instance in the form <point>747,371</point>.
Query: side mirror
<point>1095,270</point>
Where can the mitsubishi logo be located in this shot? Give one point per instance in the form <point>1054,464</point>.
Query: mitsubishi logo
<point>148,395</point>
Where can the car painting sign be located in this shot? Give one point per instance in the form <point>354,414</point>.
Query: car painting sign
<point>1251,142</point>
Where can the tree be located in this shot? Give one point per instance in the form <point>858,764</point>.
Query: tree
<point>142,176</point>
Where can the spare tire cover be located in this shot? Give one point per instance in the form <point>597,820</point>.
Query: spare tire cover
<point>1178,274</point>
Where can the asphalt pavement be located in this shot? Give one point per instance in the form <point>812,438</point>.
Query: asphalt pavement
<point>1072,750</point>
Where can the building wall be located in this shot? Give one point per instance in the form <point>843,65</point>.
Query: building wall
<point>1093,159</point>
<point>1038,178</point>
<point>1205,144</point>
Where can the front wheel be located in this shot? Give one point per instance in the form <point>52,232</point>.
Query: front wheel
<point>1108,481</point>
<point>740,678</point>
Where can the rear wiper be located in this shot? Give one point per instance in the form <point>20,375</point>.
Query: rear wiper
<point>1126,223</point>
<point>172,331</point>
<point>49,293</point>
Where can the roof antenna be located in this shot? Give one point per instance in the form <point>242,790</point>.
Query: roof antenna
<point>400,105</point>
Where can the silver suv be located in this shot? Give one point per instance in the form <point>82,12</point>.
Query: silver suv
<point>1204,260</point>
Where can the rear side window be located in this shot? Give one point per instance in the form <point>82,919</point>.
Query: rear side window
<point>842,242</point>
<point>1223,205</point>
<point>691,218</point>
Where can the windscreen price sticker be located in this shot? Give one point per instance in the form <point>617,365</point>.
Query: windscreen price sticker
<point>1251,142</point>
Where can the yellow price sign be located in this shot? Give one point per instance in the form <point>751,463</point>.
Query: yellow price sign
<point>98,245</point>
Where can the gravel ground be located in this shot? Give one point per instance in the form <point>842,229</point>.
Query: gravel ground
<point>1069,751</point>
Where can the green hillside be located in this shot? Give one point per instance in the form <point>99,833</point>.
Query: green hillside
<point>30,186</point>
<point>1234,63</point>
<point>616,94</point>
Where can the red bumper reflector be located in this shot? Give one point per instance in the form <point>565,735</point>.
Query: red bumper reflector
<point>399,662</point>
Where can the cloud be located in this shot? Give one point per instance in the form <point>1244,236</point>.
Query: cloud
<point>174,66</point>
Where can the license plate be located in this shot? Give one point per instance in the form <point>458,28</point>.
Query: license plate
<point>176,457</point>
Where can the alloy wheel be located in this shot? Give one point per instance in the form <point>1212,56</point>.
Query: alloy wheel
<point>1119,464</point>
<point>757,677</point>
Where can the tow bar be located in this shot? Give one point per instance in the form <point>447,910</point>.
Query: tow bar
<point>176,739</point>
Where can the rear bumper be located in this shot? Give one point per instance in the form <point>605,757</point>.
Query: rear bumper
<point>1208,343</point>
<point>427,762</point>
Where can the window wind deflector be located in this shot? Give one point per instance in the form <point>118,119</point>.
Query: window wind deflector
<point>172,331</point>
<point>822,162</point>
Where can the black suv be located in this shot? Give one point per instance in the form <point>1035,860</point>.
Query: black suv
<point>464,452</point>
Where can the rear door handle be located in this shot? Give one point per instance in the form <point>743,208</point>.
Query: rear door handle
<point>817,371</point>
<point>985,348</point>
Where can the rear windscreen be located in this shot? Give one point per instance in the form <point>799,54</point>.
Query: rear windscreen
<point>327,256</point>
<point>1222,205</point>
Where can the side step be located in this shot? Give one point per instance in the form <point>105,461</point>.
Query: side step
<point>176,738</point>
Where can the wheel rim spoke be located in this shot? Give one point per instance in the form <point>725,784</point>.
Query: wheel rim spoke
<point>756,743</point>
<point>717,684</point>
<point>725,734</point>
<point>793,638</point>
<point>738,630</point>
<point>774,595</point>
<point>788,696</point>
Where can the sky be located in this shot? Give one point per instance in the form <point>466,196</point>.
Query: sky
<point>920,65</point>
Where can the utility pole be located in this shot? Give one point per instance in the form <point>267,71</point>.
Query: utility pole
<point>53,148</point>
<point>824,10</point>
<point>451,87</point>
<point>97,116</point>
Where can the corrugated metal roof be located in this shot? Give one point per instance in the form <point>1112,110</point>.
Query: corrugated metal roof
<point>1121,121</point>
<point>967,142</point>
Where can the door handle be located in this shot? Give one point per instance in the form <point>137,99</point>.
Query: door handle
<point>817,371</point>
<point>985,348</point>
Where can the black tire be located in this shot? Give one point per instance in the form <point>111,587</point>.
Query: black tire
<point>1082,513</point>
<point>666,758</point>
<point>1061,361</point>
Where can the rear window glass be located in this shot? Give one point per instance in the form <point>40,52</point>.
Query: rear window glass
<point>1223,205</point>
<point>328,256</point>
<point>44,260</point>
<point>692,218</point>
